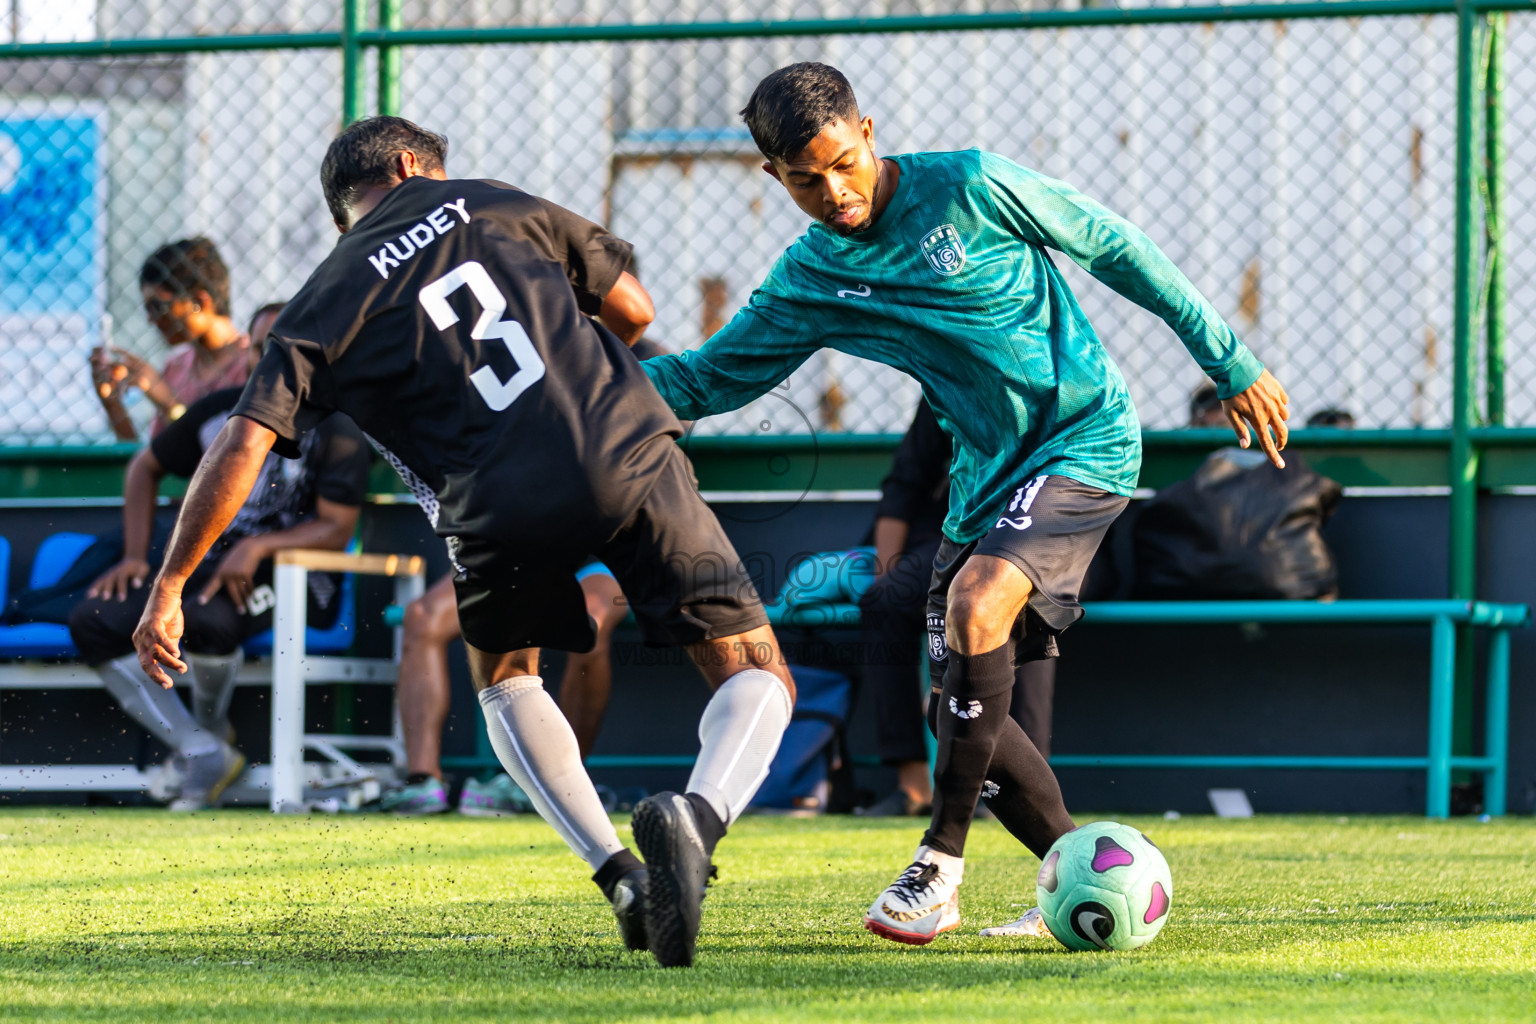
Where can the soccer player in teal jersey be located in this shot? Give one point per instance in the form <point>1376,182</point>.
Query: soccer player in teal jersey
<point>937,264</point>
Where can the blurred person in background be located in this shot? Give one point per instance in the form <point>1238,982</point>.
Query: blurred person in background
<point>1338,419</point>
<point>1239,528</point>
<point>185,287</point>
<point>120,555</point>
<point>431,624</point>
<point>909,519</point>
<point>1205,408</point>
<point>311,502</point>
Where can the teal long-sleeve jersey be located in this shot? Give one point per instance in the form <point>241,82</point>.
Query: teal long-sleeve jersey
<point>953,285</point>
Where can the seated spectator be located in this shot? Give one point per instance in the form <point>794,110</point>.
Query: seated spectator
<point>185,286</point>
<point>1205,408</point>
<point>310,502</point>
<point>1339,419</point>
<point>1240,528</point>
<point>55,603</point>
<point>431,624</point>
<point>914,499</point>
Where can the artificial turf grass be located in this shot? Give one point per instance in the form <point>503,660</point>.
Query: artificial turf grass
<point>137,915</point>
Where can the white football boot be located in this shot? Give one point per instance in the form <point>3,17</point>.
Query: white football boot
<point>1031,925</point>
<point>923,903</point>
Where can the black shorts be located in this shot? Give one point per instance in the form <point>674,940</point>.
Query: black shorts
<point>677,568</point>
<point>1051,530</point>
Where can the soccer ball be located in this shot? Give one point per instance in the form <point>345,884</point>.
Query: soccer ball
<point>1104,886</point>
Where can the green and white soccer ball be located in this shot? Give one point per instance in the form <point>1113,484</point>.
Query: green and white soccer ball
<point>1104,886</point>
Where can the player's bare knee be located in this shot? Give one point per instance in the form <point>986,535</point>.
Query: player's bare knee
<point>982,606</point>
<point>416,620</point>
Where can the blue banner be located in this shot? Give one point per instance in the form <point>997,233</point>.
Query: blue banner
<point>51,201</point>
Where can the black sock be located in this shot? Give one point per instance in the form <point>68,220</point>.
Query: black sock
<point>972,712</point>
<point>1027,800</point>
<point>417,778</point>
<point>615,868</point>
<point>711,828</point>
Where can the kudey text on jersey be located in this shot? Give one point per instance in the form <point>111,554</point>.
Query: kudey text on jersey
<point>421,235</point>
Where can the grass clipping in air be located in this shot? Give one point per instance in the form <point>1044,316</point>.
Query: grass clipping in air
<point>238,915</point>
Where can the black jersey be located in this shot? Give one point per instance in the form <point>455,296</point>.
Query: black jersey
<point>449,325</point>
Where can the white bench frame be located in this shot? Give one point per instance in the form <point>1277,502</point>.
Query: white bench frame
<point>289,670</point>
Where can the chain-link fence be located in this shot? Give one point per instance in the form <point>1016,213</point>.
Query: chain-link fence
<point>1302,172</point>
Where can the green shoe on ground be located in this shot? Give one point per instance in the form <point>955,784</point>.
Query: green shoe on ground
<point>425,797</point>
<point>495,798</point>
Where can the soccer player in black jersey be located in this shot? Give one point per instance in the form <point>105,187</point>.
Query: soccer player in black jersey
<point>448,323</point>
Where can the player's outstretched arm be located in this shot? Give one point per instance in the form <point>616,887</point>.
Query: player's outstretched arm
<point>219,487</point>
<point>1048,212</point>
<point>759,348</point>
<point>1266,406</point>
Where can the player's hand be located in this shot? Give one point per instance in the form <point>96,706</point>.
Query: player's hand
<point>1266,406</point>
<point>158,635</point>
<point>116,580</point>
<point>236,574</point>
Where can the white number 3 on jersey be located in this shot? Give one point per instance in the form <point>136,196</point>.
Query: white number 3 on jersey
<point>498,393</point>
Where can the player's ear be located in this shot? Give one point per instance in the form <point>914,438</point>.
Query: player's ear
<point>406,165</point>
<point>867,128</point>
<point>773,172</point>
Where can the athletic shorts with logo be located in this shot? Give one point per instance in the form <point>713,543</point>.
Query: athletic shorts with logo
<point>678,570</point>
<point>1051,529</point>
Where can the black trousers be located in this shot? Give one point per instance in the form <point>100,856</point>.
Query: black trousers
<point>892,624</point>
<point>102,628</point>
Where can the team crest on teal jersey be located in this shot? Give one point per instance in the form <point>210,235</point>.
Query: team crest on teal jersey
<point>945,251</point>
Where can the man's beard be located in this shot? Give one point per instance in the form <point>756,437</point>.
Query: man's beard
<point>858,229</point>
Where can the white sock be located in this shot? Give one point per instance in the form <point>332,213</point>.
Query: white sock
<point>157,709</point>
<point>536,746</point>
<point>740,733</point>
<point>213,684</point>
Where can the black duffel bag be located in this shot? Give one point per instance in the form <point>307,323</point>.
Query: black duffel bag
<point>1238,529</point>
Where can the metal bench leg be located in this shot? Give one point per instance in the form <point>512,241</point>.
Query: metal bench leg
<point>1442,708</point>
<point>1496,722</point>
<point>407,589</point>
<point>289,621</point>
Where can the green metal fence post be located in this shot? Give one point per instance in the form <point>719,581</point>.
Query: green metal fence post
<point>1464,453</point>
<point>354,77</point>
<point>389,59</point>
<point>1493,212</point>
<point>1442,694</point>
<point>1496,723</point>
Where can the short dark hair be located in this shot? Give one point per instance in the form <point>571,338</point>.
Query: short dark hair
<point>364,154</point>
<point>187,266</point>
<point>790,107</point>
<point>271,307</point>
<point>1343,419</point>
<point>1202,402</point>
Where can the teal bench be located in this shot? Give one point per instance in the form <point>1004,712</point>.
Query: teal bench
<point>1441,616</point>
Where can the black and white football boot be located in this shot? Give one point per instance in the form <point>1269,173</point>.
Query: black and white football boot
<point>623,880</point>
<point>676,845</point>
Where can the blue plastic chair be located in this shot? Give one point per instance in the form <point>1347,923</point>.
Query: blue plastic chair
<point>55,555</point>
<point>335,640</point>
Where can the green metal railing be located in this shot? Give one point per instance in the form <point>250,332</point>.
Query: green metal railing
<point>1479,292</point>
